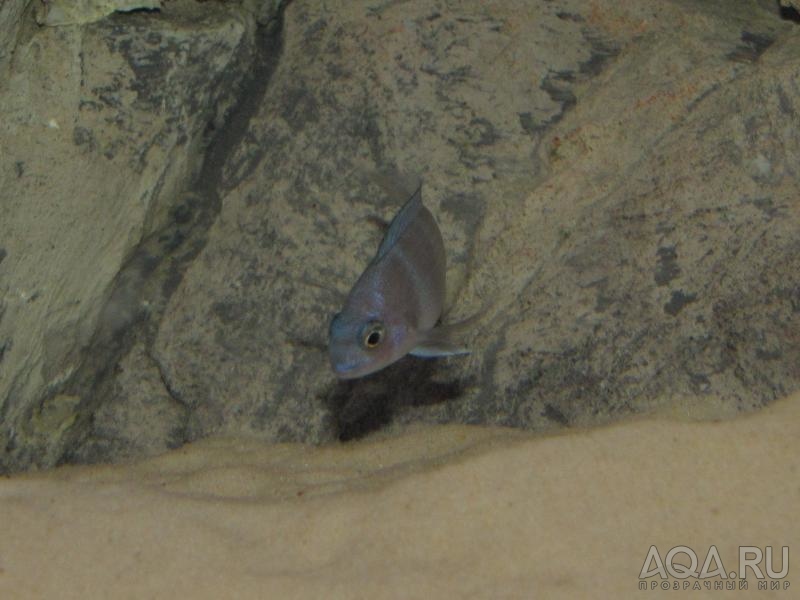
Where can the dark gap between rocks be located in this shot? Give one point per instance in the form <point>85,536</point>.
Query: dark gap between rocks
<point>156,267</point>
<point>789,13</point>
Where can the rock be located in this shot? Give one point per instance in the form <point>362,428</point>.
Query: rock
<point>78,12</point>
<point>621,195</point>
<point>104,127</point>
<point>615,185</point>
<point>791,4</point>
<point>136,397</point>
<point>10,22</point>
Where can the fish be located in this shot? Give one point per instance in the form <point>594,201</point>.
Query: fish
<point>395,306</point>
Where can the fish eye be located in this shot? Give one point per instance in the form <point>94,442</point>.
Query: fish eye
<point>373,334</point>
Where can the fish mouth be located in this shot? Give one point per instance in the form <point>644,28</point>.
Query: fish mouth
<point>347,371</point>
<point>353,369</point>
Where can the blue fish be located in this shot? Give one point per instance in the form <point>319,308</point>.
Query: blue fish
<point>395,306</point>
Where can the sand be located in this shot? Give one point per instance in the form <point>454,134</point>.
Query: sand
<point>439,512</point>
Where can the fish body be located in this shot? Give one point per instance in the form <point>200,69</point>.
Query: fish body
<point>394,307</point>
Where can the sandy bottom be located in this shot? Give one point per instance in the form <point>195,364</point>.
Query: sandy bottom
<point>447,512</point>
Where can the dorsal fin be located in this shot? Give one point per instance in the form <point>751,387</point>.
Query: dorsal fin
<point>400,224</point>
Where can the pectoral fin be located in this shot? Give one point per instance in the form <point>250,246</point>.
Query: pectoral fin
<point>438,343</point>
<point>441,340</point>
<point>434,350</point>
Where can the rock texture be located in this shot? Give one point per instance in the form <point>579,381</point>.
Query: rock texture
<point>615,182</point>
<point>78,12</point>
<point>103,128</point>
<point>624,197</point>
<point>10,23</point>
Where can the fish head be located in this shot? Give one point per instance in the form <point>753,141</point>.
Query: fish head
<point>360,345</point>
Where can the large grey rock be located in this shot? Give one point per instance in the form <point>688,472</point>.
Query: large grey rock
<point>103,128</point>
<point>10,23</point>
<point>616,180</point>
